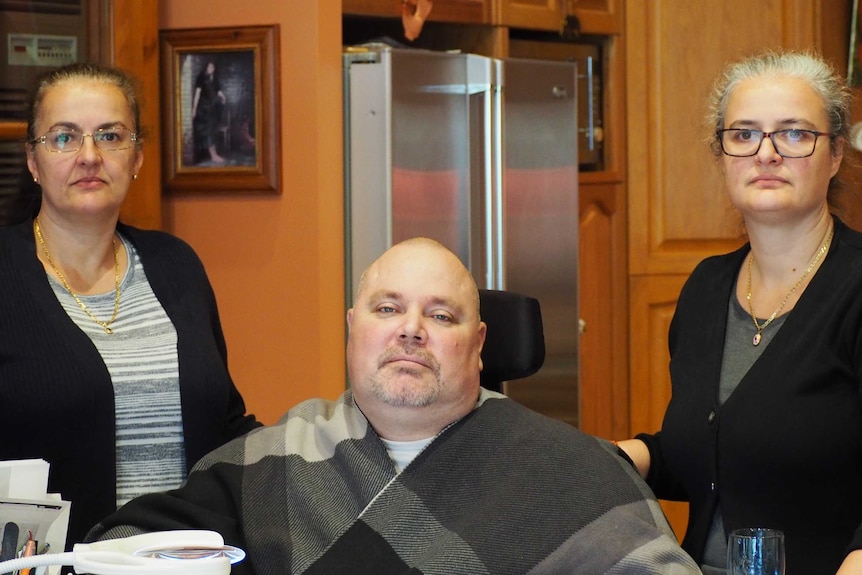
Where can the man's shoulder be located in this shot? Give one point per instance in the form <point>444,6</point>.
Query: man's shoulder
<point>319,409</point>
<point>511,424</point>
<point>509,412</point>
<point>311,429</point>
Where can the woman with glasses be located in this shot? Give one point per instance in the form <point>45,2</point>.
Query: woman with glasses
<point>113,365</point>
<point>764,427</point>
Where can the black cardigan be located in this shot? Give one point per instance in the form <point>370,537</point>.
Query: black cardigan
<point>56,396</point>
<point>785,449</point>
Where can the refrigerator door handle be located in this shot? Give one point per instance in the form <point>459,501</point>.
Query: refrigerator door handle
<point>496,198</point>
<point>485,83</point>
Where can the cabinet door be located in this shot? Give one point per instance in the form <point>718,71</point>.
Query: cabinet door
<point>652,303</point>
<point>678,209</point>
<point>532,14</point>
<point>597,16</point>
<point>602,288</point>
<point>457,11</point>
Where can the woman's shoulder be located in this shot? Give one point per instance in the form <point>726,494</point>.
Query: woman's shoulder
<point>728,263</point>
<point>152,237</point>
<point>18,229</point>
<point>848,236</point>
<point>158,244</point>
<point>713,279</point>
<point>15,238</point>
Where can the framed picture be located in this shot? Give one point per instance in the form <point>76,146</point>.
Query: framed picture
<point>220,92</point>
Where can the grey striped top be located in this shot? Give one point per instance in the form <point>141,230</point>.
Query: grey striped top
<point>141,357</point>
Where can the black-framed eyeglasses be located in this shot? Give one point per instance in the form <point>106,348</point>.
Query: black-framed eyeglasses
<point>61,140</point>
<point>791,143</point>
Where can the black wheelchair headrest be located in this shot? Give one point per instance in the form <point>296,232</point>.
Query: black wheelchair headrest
<point>515,340</point>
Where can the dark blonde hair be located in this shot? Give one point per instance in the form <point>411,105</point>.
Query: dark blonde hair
<point>82,71</point>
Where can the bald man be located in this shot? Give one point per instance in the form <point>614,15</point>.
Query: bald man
<point>416,468</point>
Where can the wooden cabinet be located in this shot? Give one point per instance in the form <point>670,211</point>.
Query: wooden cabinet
<point>597,16</point>
<point>124,33</point>
<point>652,303</point>
<point>602,284</point>
<point>454,11</point>
<point>594,16</point>
<point>532,14</point>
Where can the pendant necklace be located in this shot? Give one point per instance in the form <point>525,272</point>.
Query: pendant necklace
<point>760,327</point>
<point>106,325</point>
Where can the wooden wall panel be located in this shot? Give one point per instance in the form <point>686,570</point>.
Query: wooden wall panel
<point>128,33</point>
<point>652,303</point>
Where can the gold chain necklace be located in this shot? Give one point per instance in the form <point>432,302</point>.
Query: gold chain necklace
<point>757,337</point>
<point>106,325</point>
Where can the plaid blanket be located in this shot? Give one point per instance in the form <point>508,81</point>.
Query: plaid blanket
<point>504,490</point>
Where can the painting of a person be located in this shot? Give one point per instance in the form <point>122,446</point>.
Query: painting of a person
<point>207,105</point>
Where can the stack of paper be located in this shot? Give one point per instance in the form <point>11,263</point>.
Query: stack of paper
<point>25,504</point>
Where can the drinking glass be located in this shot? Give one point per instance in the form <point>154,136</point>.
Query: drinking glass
<point>755,551</point>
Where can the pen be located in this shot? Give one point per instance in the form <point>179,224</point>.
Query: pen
<point>29,551</point>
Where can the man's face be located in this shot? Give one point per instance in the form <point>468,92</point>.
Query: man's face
<point>415,335</point>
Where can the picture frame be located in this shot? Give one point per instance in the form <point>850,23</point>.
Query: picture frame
<point>221,124</point>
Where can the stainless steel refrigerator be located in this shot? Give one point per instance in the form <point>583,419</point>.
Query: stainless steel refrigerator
<point>480,154</point>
